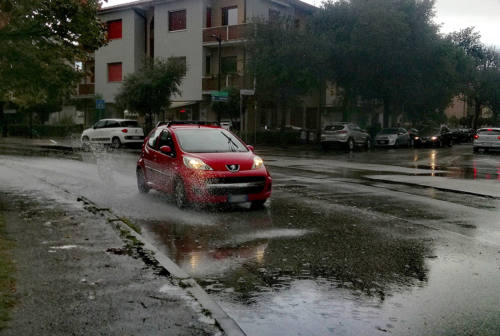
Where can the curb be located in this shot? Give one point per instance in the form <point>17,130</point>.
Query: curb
<point>225,322</point>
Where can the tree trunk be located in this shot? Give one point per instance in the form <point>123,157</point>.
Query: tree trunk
<point>387,112</point>
<point>477,113</point>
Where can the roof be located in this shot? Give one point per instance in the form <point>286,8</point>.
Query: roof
<point>140,3</point>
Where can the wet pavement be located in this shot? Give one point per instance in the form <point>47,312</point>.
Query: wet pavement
<point>415,251</point>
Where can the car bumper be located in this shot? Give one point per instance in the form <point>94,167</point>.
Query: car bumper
<point>487,144</point>
<point>227,187</point>
<point>385,142</point>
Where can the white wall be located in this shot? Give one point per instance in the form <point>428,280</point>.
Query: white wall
<point>185,43</point>
<point>129,50</point>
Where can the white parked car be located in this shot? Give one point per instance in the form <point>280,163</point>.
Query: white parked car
<point>486,139</point>
<point>393,137</point>
<point>114,132</point>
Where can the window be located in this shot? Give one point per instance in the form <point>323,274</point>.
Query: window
<point>229,64</point>
<point>209,17</point>
<point>229,16</point>
<point>165,139</point>
<point>177,20</point>
<point>114,72</point>
<point>208,65</point>
<point>100,124</point>
<point>152,139</point>
<point>274,15</point>
<point>112,124</point>
<point>181,61</point>
<point>114,29</point>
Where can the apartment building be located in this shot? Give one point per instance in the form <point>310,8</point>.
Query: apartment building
<point>188,30</point>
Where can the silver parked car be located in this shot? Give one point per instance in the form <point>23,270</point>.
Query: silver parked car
<point>392,137</point>
<point>486,139</point>
<point>345,134</point>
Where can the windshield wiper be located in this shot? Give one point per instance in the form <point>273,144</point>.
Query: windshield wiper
<point>234,147</point>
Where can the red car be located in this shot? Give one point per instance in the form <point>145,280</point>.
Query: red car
<point>199,163</point>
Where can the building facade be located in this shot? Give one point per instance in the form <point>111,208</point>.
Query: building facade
<point>188,30</point>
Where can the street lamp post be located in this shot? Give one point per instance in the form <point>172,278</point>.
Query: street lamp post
<point>219,39</point>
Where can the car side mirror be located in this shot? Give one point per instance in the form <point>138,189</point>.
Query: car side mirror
<point>250,148</point>
<point>166,149</point>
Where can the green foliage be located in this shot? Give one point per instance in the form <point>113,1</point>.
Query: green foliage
<point>283,61</point>
<point>39,42</point>
<point>148,90</point>
<point>388,50</point>
<point>7,282</point>
<point>482,77</point>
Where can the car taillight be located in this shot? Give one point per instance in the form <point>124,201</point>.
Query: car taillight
<point>476,136</point>
<point>125,130</point>
<point>499,137</point>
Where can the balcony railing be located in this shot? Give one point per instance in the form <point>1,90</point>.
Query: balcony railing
<point>86,89</point>
<point>231,80</point>
<point>226,33</point>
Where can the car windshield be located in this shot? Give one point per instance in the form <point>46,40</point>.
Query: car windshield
<point>334,127</point>
<point>430,131</point>
<point>389,131</point>
<point>209,141</point>
<point>489,132</point>
<point>129,123</point>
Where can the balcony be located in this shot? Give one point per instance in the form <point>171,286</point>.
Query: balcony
<point>85,89</point>
<point>230,80</point>
<point>234,33</point>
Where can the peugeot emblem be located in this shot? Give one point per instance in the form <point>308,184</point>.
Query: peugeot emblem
<point>233,167</point>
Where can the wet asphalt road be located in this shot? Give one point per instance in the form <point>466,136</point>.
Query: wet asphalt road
<point>388,241</point>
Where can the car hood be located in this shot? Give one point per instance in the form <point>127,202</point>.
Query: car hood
<point>428,134</point>
<point>387,135</point>
<point>218,161</point>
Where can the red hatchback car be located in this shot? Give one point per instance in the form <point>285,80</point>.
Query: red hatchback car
<point>199,163</point>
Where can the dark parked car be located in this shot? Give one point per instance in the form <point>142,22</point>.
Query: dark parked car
<point>434,137</point>
<point>461,135</point>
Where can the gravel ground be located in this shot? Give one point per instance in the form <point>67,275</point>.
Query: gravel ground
<point>75,276</point>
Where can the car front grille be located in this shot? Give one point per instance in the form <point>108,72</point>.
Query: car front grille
<point>235,185</point>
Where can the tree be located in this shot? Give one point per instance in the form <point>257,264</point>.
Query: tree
<point>483,77</point>
<point>281,58</point>
<point>148,90</point>
<point>231,108</point>
<point>40,40</point>
<point>390,51</point>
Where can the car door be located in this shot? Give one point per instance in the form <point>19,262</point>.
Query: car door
<point>165,162</point>
<point>149,157</point>
<point>110,129</point>
<point>97,131</point>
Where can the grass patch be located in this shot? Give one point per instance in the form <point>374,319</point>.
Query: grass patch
<point>7,282</point>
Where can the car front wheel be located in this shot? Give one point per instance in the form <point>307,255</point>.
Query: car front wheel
<point>116,143</point>
<point>180,194</point>
<point>141,182</point>
<point>350,145</point>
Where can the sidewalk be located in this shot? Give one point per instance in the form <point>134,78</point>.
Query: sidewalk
<point>67,143</point>
<point>75,276</point>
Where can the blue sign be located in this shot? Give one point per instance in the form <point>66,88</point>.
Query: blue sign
<point>100,104</point>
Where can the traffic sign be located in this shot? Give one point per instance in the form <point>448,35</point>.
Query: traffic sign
<point>244,92</point>
<point>100,104</point>
<point>220,94</point>
<point>219,99</point>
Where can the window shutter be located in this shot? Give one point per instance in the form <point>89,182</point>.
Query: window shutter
<point>177,20</point>
<point>114,72</point>
<point>114,29</point>
<point>209,17</point>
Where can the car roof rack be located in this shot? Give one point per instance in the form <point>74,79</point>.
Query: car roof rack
<point>187,122</point>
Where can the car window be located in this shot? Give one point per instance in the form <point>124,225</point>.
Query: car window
<point>165,139</point>
<point>334,127</point>
<point>129,123</point>
<point>215,140</point>
<point>112,124</point>
<point>152,139</point>
<point>100,124</point>
<point>488,132</point>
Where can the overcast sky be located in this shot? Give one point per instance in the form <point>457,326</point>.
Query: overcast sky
<point>452,14</point>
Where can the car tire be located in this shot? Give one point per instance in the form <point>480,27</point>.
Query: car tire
<point>116,143</point>
<point>86,144</point>
<point>396,144</point>
<point>350,145</point>
<point>259,204</point>
<point>450,144</point>
<point>141,182</point>
<point>180,194</point>
<point>324,146</point>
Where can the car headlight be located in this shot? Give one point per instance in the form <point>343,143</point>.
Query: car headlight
<point>434,138</point>
<point>416,138</point>
<point>195,163</point>
<point>257,162</point>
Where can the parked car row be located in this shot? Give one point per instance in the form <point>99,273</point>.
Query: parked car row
<point>350,136</point>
